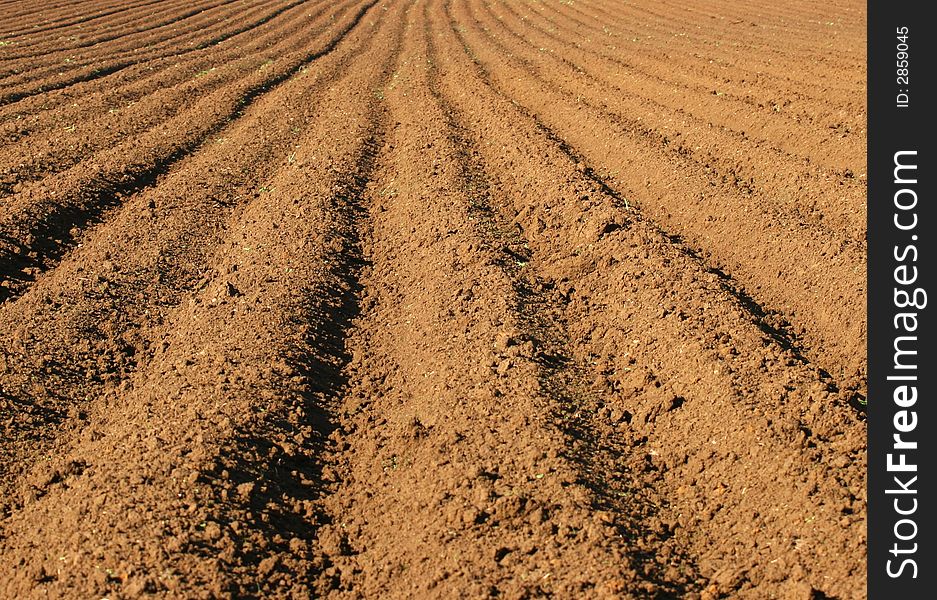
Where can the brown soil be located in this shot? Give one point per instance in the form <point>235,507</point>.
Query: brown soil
<point>467,298</point>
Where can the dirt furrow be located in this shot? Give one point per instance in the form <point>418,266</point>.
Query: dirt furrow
<point>236,382</point>
<point>711,215</point>
<point>99,61</point>
<point>404,403</point>
<point>52,17</point>
<point>706,74</point>
<point>685,59</point>
<point>663,106</point>
<point>829,193</point>
<point>73,104</point>
<point>796,16</point>
<point>696,138</point>
<point>624,493</point>
<point>37,226</point>
<point>48,49</point>
<point>84,324</point>
<point>424,450</point>
<point>410,298</point>
<point>668,35</point>
<point>138,21</point>
<point>729,40</point>
<point>63,109</point>
<point>55,140</point>
<point>683,372</point>
<point>180,32</point>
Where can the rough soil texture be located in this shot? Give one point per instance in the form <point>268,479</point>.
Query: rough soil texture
<point>432,299</point>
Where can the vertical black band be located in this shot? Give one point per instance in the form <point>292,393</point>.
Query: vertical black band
<point>902,365</point>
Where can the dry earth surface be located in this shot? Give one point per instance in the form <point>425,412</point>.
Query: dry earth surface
<point>432,298</point>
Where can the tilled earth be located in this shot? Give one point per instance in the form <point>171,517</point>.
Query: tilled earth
<point>432,298</point>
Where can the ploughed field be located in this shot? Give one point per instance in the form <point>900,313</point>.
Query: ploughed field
<point>419,298</point>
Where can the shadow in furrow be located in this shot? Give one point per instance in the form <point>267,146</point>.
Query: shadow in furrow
<point>561,378</point>
<point>98,73</point>
<point>23,18</point>
<point>760,316</point>
<point>281,481</point>
<point>54,234</point>
<point>133,29</point>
